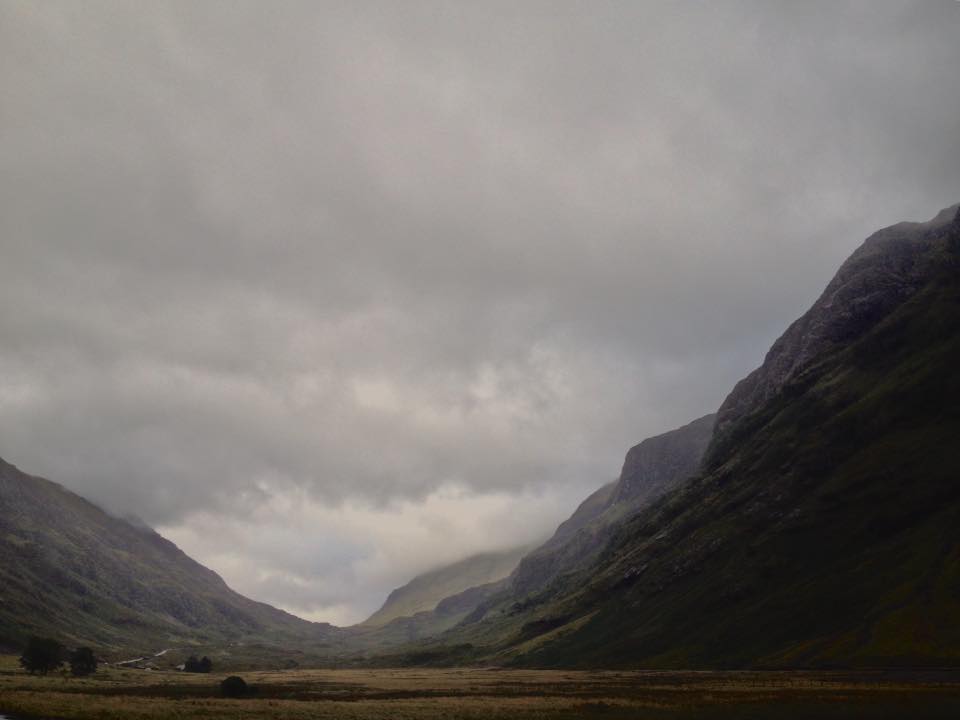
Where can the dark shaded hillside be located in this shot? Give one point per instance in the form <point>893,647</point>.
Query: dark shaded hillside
<point>824,527</point>
<point>70,570</point>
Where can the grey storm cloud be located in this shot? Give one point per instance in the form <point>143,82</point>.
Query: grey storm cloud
<point>426,268</point>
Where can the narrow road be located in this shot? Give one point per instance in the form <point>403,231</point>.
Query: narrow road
<point>140,659</point>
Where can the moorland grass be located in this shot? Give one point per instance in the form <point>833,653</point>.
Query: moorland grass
<point>474,693</point>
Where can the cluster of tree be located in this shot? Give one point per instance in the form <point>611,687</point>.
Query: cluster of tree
<point>44,655</point>
<point>204,665</point>
<point>83,662</point>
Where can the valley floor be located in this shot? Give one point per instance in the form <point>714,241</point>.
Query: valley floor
<point>484,693</point>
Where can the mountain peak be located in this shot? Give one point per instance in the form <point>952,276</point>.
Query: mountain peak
<point>884,272</point>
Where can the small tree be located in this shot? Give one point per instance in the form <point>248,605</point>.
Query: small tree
<point>233,686</point>
<point>83,662</point>
<point>42,655</point>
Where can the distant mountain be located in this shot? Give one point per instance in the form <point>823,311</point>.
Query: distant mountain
<point>436,601</point>
<point>70,570</point>
<point>823,525</point>
<point>426,591</point>
<point>366,642</point>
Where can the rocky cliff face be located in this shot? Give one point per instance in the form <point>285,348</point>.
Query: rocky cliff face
<point>883,273</point>
<point>659,463</point>
<point>652,468</point>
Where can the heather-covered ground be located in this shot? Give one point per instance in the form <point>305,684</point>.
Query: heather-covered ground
<point>484,693</point>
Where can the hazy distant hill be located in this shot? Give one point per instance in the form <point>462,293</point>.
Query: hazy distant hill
<point>823,527</point>
<point>70,570</point>
<point>437,600</point>
<point>425,591</point>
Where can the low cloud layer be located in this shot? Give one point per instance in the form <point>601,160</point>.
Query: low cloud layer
<point>336,292</point>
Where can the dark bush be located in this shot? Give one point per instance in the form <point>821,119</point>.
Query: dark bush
<point>233,687</point>
<point>42,655</point>
<point>83,662</point>
<point>198,666</point>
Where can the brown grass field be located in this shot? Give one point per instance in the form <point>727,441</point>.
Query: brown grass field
<point>402,694</point>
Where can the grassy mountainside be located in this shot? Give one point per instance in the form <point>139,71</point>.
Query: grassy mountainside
<point>824,526</point>
<point>70,570</point>
<point>424,592</point>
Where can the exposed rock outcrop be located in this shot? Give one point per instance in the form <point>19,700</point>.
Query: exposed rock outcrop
<point>877,278</point>
<point>651,468</point>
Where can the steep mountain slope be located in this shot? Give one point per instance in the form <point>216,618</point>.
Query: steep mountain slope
<point>427,590</point>
<point>70,570</point>
<point>889,267</point>
<point>824,525</point>
<point>650,469</point>
<point>586,512</point>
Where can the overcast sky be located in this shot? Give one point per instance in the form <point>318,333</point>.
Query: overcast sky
<point>331,293</point>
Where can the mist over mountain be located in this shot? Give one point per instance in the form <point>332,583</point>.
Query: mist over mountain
<point>652,468</point>
<point>823,525</point>
<point>324,291</point>
<point>437,359</point>
<point>813,521</point>
<point>426,591</point>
